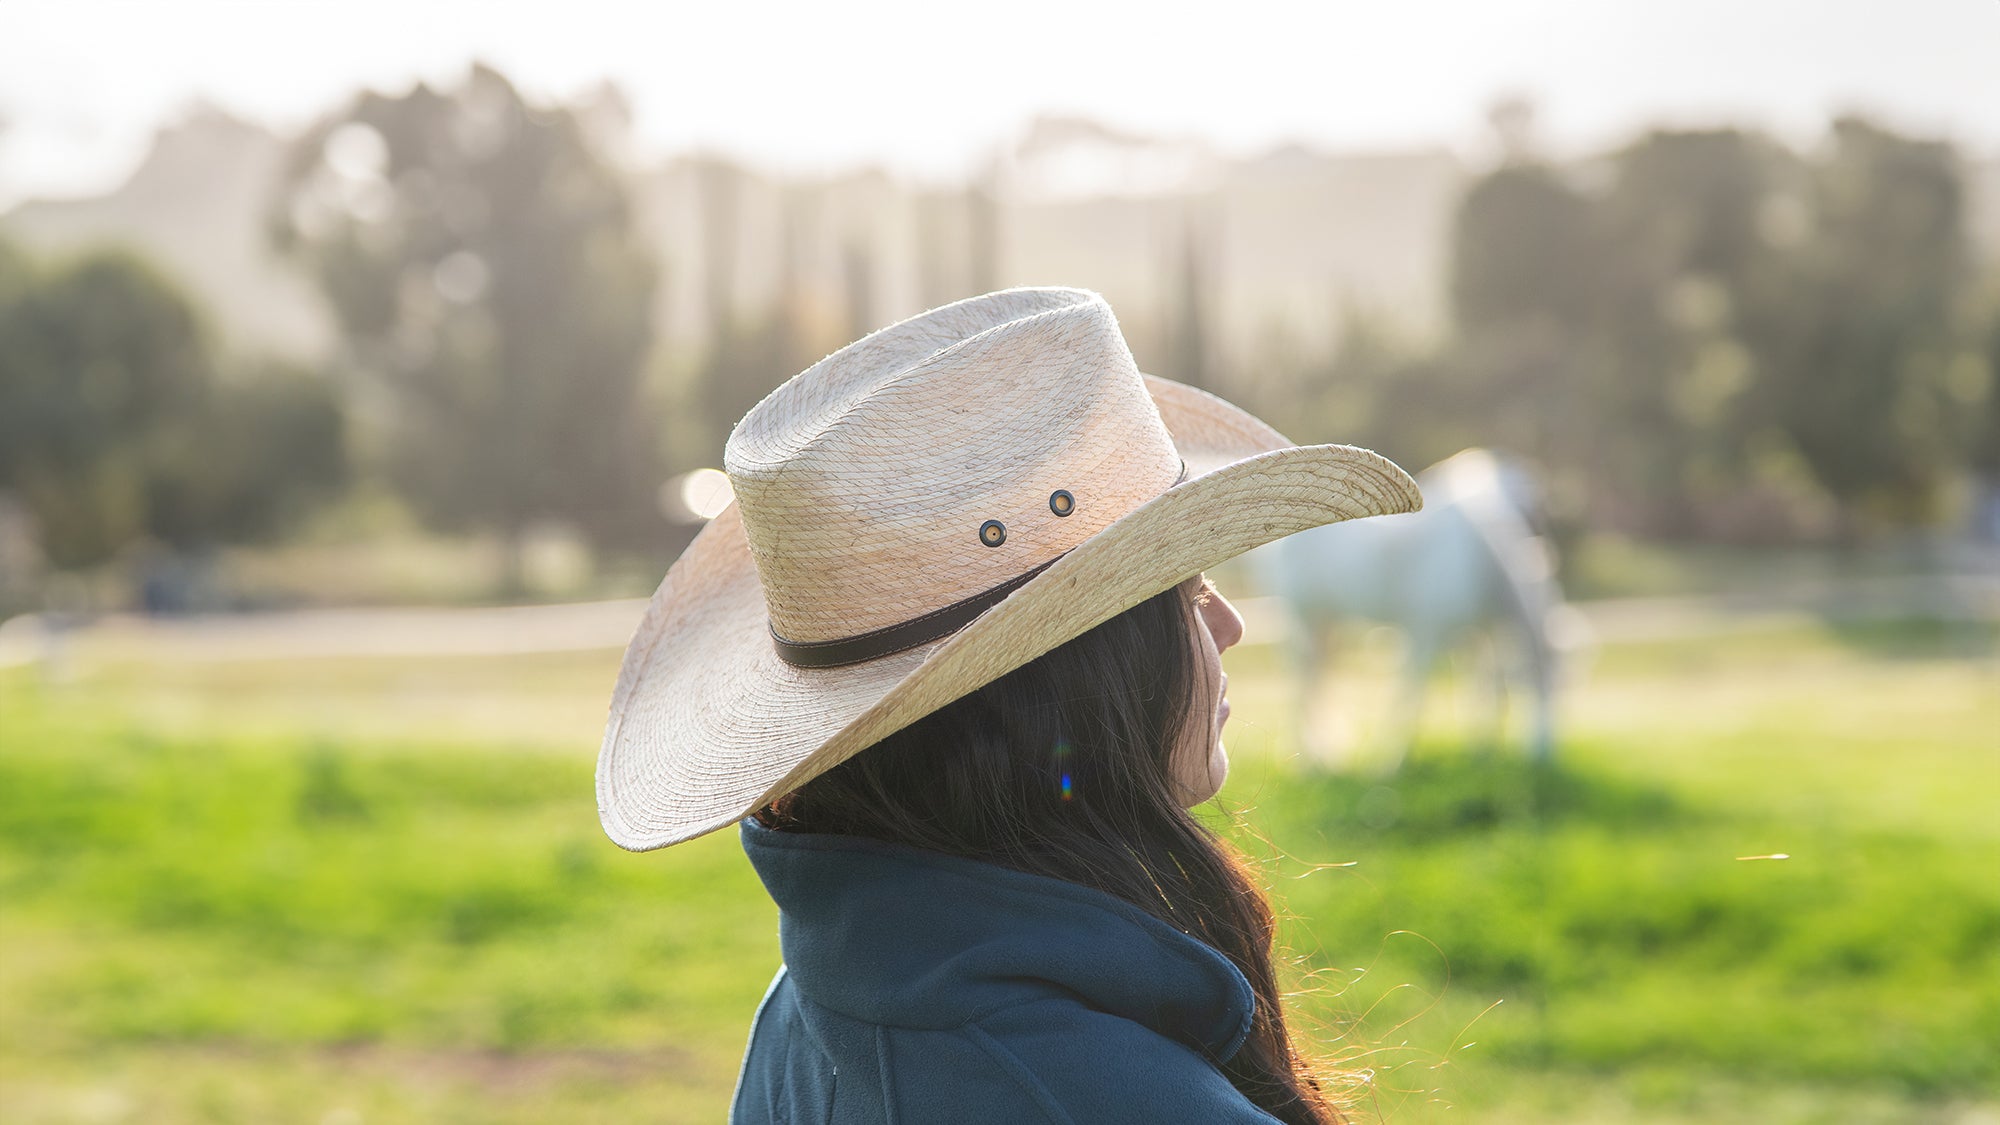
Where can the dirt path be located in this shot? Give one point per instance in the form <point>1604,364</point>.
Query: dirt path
<point>586,626</point>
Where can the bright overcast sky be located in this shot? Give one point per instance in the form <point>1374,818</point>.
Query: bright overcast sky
<point>926,86</point>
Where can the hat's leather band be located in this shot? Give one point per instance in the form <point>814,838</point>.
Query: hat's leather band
<point>895,638</point>
<point>909,634</point>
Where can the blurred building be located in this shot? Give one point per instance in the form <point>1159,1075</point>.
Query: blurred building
<point>195,206</point>
<point>1213,262</point>
<point>1169,231</point>
<point>1284,239</point>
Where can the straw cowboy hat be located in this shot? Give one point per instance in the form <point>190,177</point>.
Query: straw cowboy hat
<point>920,513</point>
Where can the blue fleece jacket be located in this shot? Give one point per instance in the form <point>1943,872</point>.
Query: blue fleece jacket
<point>922,988</point>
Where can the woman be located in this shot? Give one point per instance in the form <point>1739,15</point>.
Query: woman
<point>949,661</point>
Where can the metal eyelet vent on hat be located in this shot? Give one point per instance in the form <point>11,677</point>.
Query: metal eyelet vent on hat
<point>992,533</point>
<point>1061,502</point>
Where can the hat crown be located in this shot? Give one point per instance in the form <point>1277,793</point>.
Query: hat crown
<point>864,481</point>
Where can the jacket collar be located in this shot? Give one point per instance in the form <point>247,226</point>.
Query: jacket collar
<point>896,935</point>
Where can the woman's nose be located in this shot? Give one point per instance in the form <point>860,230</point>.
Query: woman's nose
<point>1224,623</point>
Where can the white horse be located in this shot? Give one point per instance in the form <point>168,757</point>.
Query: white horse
<point>1472,561</point>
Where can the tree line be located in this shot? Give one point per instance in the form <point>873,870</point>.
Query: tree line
<point>119,421</point>
<point>1704,334</point>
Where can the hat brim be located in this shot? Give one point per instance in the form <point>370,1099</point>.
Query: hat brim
<point>708,724</point>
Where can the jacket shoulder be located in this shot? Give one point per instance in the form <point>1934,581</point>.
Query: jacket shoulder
<point>1097,1067</point>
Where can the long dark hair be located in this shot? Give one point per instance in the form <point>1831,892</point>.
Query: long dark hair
<point>1062,768</point>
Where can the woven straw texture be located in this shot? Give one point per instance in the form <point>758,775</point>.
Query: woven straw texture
<point>861,486</point>
<point>918,445</point>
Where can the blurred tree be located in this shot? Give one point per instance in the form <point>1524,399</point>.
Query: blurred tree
<point>1983,387</point>
<point>1682,239</point>
<point>250,464</point>
<point>1723,328</point>
<point>1188,350</point>
<point>1522,372</point>
<point>113,425</point>
<point>1386,393</point>
<point>1512,118</point>
<point>1972,387</point>
<point>92,356</point>
<point>486,268</point>
<point>1855,342</point>
<point>1521,252</point>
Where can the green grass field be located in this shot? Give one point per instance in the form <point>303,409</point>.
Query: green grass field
<point>346,891</point>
